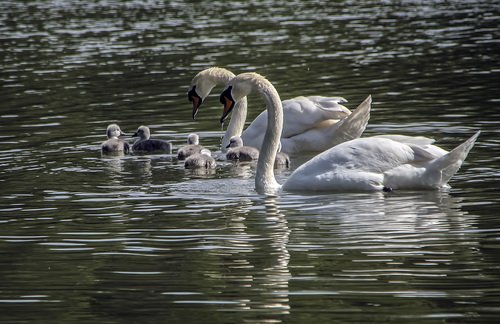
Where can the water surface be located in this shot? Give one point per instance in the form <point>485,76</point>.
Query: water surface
<point>136,238</point>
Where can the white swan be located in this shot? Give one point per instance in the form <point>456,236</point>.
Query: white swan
<point>311,123</point>
<point>363,164</point>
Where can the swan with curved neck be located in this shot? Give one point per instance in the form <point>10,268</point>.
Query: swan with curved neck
<point>310,123</point>
<point>364,164</point>
<point>240,87</point>
<point>201,86</point>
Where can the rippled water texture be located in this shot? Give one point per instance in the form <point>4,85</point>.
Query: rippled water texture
<point>137,238</point>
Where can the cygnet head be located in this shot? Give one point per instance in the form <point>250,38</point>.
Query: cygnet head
<point>235,141</point>
<point>142,132</point>
<point>114,131</point>
<point>193,139</point>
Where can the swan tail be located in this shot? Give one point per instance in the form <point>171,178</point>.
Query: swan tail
<point>353,126</point>
<point>448,164</point>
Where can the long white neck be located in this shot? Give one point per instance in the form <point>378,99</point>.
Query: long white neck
<point>237,122</point>
<point>220,76</point>
<point>216,75</point>
<point>265,182</point>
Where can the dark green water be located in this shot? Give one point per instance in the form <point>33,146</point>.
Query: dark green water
<point>87,238</point>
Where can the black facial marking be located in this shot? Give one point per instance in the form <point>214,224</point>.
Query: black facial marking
<point>226,93</point>
<point>195,99</point>
<point>192,93</point>
<point>227,100</point>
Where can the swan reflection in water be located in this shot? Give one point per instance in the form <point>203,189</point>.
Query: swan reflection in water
<point>248,257</point>
<point>256,257</point>
<point>406,212</point>
<point>385,240</point>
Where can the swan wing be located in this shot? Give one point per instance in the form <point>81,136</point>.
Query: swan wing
<point>431,168</point>
<point>333,104</point>
<point>300,115</point>
<point>376,162</point>
<point>360,164</point>
<point>330,133</point>
<point>303,113</point>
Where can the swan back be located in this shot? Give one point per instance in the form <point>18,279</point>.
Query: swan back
<point>375,163</point>
<point>312,124</point>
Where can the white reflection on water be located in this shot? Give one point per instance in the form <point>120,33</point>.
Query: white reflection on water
<point>254,257</point>
<point>385,241</point>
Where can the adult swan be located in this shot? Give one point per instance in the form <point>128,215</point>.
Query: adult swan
<point>311,123</point>
<point>364,164</point>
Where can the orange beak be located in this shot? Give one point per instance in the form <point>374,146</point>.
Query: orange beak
<point>227,100</point>
<point>196,106</point>
<point>195,99</point>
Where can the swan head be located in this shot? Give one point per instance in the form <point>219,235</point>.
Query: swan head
<point>196,99</point>
<point>238,88</point>
<point>114,131</point>
<point>200,88</point>
<point>235,141</point>
<point>142,132</point>
<point>203,83</point>
<point>193,139</point>
<point>226,98</point>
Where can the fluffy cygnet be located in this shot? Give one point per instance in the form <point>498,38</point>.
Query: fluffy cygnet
<point>193,147</point>
<point>146,144</point>
<point>203,159</point>
<point>238,152</point>
<point>114,143</point>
